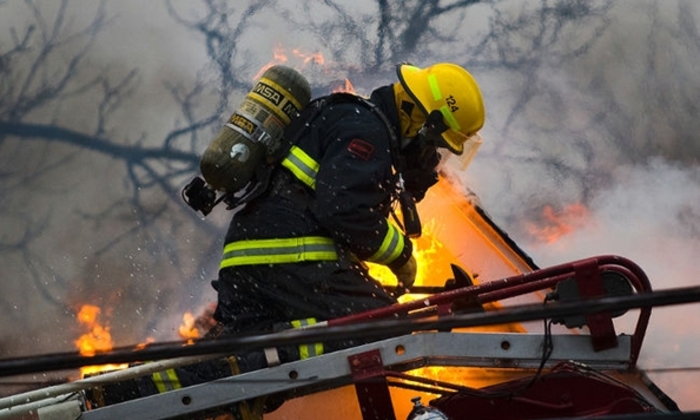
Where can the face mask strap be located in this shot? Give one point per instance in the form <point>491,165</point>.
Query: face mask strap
<point>434,127</point>
<point>436,122</point>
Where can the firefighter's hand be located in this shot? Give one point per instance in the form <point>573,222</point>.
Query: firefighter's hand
<point>406,275</point>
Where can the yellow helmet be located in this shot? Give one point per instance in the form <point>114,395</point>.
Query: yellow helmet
<point>450,98</point>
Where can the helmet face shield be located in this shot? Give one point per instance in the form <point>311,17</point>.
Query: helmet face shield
<point>469,149</point>
<point>470,145</point>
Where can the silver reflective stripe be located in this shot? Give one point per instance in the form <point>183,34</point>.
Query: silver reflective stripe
<point>272,357</point>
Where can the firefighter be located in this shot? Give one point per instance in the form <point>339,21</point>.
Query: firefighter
<point>295,255</point>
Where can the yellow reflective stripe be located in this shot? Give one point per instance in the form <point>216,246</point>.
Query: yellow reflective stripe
<point>302,166</point>
<point>451,121</point>
<point>277,251</point>
<point>391,247</point>
<point>310,350</point>
<point>166,380</point>
<point>307,350</point>
<point>445,110</point>
<point>434,87</point>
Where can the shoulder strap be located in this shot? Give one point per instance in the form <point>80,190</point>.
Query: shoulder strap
<point>411,225</point>
<point>292,133</point>
<point>411,221</point>
<point>297,127</point>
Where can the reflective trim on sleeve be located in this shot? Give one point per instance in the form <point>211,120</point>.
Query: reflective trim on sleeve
<point>303,166</point>
<point>307,350</point>
<point>278,251</point>
<point>391,247</point>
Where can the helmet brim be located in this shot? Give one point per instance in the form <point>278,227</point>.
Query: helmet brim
<point>454,141</point>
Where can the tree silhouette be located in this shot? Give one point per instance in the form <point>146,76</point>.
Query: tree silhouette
<point>57,135</point>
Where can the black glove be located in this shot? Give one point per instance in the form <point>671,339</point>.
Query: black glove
<point>420,172</point>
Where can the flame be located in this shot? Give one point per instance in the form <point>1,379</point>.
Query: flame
<point>195,327</point>
<point>301,59</point>
<point>143,345</point>
<point>555,224</point>
<point>187,329</point>
<point>432,258</point>
<point>315,58</point>
<point>97,340</point>
<point>349,88</point>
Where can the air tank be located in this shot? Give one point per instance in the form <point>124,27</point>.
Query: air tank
<point>255,129</point>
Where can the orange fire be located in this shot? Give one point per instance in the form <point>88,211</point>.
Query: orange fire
<point>195,327</point>
<point>316,58</point>
<point>280,56</point>
<point>298,58</point>
<point>187,330</point>
<point>98,339</point>
<point>349,88</point>
<point>433,261</point>
<point>555,224</point>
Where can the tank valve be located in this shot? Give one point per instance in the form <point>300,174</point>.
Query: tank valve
<point>421,412</point>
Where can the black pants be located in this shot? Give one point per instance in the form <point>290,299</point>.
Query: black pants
<point>256,298</point>
<point>264,299</point>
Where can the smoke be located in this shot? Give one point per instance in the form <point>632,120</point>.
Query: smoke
<point>649,214</point>
<point>612,131</point>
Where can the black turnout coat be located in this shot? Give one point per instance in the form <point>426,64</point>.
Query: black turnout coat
<point>355,186</point>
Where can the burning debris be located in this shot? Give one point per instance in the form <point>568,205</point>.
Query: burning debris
<point>196,327</point>
<point>97,339</point>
